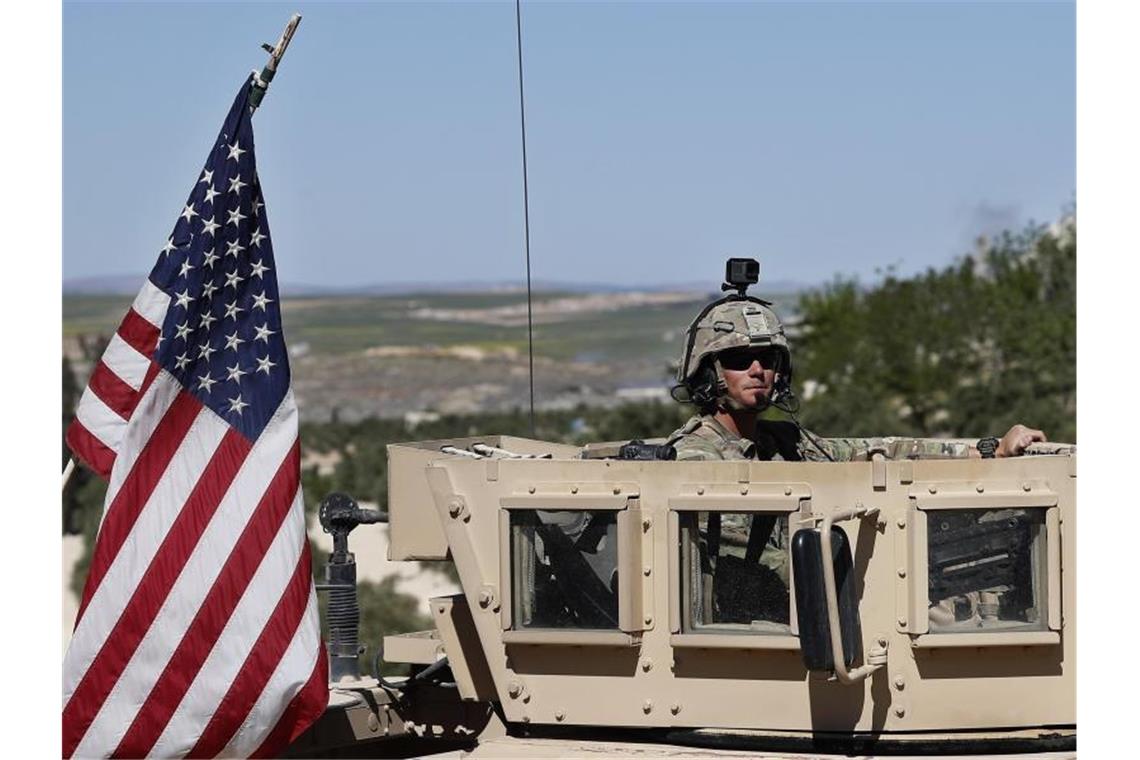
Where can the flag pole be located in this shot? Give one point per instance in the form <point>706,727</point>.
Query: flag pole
<point>276,53</point>
<point>260,86</point>
<point>70,468</point>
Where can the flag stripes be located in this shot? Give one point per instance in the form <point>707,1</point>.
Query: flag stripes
<point>138,333</point>
<point>96,455</point>
<point>242,598</point>
<point>259,665</point>
<point>301,710</point>
<point>120,516</point>
<point>126,362</point>
<point>118,381</point>
<point>118,395</point>
<point>216,579</point>
<point>176,688</point>
<point>152,590</point>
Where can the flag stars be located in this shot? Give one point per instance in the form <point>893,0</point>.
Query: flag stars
<point>232,279</point>
<point>259,269</point>
<point>207,176</point>
<point>205,350</point>
<point>235,372</point>
<point>236,185</point>
<point>235,217</point>
<point>182,361</point>
<point>235,151</point>
<point>183,298</point>
<point>236,404</point>
<point>189,212</point>
<point>211,193</point>
<point>264,365</point>
<point>207,320</point>
<point>234,248</point>
<point>185,269</point>
<point>205,382</point>
<point>261,300</point>
<point>211,257</point>
<point>170,246</point>
<point>209,225</point>
<point>209,288</point>
<point>233,341</point>
<point>232,310</point>
<point>263,333</point>
<point>257,237</point>
<point>183,330</point>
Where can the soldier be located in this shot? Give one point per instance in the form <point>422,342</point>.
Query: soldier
<point>736,363</point>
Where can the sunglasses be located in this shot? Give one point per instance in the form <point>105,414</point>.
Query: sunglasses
<point>741,359</point>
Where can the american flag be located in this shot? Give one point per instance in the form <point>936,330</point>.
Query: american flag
<point>198,631</point>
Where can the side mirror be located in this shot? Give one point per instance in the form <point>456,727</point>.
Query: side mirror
<point>811,598</point>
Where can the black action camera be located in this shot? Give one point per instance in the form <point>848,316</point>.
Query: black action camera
<point>740,273</point>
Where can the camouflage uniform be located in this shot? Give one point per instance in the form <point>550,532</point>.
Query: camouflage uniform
<point>702,438</point>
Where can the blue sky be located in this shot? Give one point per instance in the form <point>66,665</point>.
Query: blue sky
<point>822,138</point>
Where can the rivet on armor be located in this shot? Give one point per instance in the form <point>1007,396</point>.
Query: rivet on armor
<point>900,710</point>
<point>454,507</point>
<point>617,490</point>
<point>648,620</point>
<point>526,719</point>
<point>675,708</point>
<point>981,488</point>
<point>514,689</point>
<point>902,572</point>
<point>647,571</point>
<point>744,490</point>
<point>787,490</point>
<point>485,598</point>
<point>647,664</point>
<point>560,716</point>
<point>701,491</point>
<point>933,489</point>
<point>902,622</point>
<point>1026,487</point>
<point>373,723</point>
<point>901,522</point>
<point>531,489</point>
<point>646,524</point>
<point>647,707</point>
<point>573,489</point>
<point>899,683</point>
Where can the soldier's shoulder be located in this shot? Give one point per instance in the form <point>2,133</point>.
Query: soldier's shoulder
<point>696,441</point>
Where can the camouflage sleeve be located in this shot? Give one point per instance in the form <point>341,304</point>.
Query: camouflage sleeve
<point>893,447</point>
<point>694,448</point>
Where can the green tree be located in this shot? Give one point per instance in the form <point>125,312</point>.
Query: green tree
<point>966,350</point>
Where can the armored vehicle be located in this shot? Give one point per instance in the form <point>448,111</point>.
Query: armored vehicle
<point>920,606</point>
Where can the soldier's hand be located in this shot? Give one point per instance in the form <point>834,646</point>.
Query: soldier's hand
<point>1019,437</point>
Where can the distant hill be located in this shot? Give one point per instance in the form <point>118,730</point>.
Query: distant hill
<point>129,284</point>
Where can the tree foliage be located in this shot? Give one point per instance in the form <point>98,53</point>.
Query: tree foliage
<point>968,350</point>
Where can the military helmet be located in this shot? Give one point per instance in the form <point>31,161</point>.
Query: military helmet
<point>733,322</point>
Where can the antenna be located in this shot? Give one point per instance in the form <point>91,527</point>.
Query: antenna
<point>526,214</point>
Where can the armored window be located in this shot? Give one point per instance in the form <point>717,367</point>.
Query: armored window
<point>987,570</point>
<point>984,564</point>
<point>564,569</point>
<point>737,572</point>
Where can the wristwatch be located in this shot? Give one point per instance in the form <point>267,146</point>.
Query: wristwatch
<point>987,447</point>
